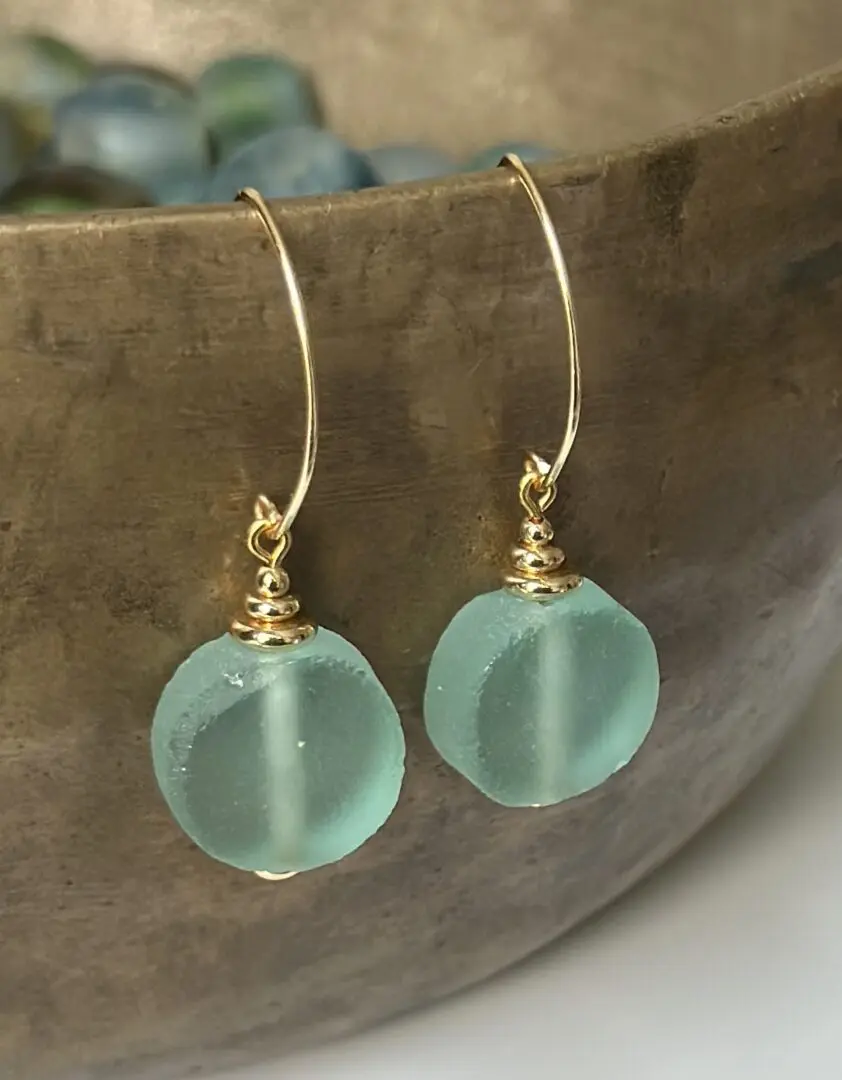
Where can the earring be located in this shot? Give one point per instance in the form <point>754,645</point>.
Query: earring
<point>541,690</point>
<point>275,746</point>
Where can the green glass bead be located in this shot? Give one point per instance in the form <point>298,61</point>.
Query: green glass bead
<point>58,189</point>
<point>538,701</point>
<point>39,70</point>
<point>278,761</point>
<point>242,97</point>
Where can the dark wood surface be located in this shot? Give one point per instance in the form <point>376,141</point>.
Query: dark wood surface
<point>149,387</point>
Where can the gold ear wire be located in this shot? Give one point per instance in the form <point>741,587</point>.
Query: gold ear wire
<point>535,568</point>
<point>272,617</point>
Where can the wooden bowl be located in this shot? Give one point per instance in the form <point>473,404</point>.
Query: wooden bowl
<point>144,401</point>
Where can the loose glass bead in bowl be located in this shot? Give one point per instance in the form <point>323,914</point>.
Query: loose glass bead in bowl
<point>137,126</point>
<point>397,163</point>
<point>290,162</point>
<point>244,96</point>
<point>40,70</point>
<point>56,189</point>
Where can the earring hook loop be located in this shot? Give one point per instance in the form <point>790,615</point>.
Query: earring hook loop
<point>540,477</point>
<point>272,523</point>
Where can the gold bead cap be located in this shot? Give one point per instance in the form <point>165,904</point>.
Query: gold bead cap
<point>535,568</point>
<point>271,616</point>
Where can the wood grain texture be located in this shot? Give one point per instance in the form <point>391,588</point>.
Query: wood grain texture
<point>147,380</point>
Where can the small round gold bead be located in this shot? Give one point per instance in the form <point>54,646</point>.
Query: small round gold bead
<point>536,532</point>
<point>272,581</point>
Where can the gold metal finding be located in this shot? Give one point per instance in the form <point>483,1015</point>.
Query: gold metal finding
<point>271,617</point>
<point>535,568</point>
<point>536,565</point>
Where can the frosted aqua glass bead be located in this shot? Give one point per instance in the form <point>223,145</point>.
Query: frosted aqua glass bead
<point>138,126</point>
<point>282,760</point>
<point>244,96</point>
<point>538,701</point>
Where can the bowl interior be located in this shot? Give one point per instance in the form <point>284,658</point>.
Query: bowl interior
<point>575,74</point>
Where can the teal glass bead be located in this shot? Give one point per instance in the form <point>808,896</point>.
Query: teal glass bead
<point>40,70</point>
<point>397,163</point>
<point>244,96</point>
<point>291,162</point>
<point>536,701</point>
<point>137,126</point>
<point>280,760</point>
<point>526,151</point>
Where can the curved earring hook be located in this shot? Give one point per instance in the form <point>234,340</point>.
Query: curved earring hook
<point>272,523</point>
<point>540,479</point>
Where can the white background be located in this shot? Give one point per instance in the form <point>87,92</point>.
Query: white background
<point>726,965</point>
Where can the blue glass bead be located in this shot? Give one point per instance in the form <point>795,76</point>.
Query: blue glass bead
<point>290,162</point>
<point>40,70</point>
<point>536,701</point>
<point>136,126</point>
<point>243,97</point>
<point>529,152</point>
<point>280,760</point>
<point>186,190</point>
<point>397,163</point>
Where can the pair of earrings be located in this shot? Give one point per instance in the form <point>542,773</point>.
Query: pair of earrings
<point>278,750</point>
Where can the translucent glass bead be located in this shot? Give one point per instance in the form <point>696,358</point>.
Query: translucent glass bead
<point>242,97</point>
<point>397,163</point>
<point>134,125</point>
<point>39,69</point>
<point>290,162</point>
<point>278,761</point>
<point>538,701</point>
<point>529,152</point>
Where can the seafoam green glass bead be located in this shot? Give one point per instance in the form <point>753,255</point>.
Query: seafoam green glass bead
<point>280,760</point>
<point>538,701</point>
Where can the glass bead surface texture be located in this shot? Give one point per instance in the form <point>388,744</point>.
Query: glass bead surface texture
<point>536,702</point>
<point>280,760</point>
